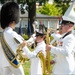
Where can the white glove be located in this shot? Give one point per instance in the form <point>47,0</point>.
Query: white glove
<point>56,37</point>
<point>31,39</point>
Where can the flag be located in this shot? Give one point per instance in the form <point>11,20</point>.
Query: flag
<point>29,28</point>
<point>20,29</point>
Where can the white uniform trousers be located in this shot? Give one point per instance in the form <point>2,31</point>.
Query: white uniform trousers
<point>10,70</point>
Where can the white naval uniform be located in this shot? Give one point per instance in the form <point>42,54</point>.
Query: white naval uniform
<point>64,56</point>
<point>36,68</point>
<point>6,67</point>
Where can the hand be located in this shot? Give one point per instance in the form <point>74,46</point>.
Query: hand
<point>52,62</point>
<point>24,43</point>
<point>48,47</point>
<point>29,43</point>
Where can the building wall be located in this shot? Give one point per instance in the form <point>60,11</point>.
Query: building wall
<point>53,23</point>
<point>49,23</point>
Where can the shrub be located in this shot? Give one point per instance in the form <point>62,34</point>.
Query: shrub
<point>25,36</point>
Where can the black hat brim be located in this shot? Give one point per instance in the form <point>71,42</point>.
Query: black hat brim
<point>39,34</point>
<point>66,22</point>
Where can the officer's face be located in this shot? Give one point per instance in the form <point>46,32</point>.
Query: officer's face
<point>64,28</point>
<point>39,39</point>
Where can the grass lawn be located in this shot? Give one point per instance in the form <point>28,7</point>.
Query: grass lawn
<point>26,67</point>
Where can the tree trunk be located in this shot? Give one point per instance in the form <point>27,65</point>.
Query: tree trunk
<point>32,14</point>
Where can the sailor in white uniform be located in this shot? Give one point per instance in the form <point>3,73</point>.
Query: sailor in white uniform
<point>64,64</point>
<point>36,67</point>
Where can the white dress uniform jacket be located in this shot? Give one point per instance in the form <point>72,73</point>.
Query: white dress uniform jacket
<point>36,68</point>
<point>5,67</point>
<point>64,56</point>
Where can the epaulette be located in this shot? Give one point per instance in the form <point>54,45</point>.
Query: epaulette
<point>16,41</point>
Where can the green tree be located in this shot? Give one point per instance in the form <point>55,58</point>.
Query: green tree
<point>64,4</point>
<point>41,1</point>
<point>31,12</point>
<point>50,9</point>
<point>59,7</point>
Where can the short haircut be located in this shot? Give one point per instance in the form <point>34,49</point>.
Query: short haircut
<point>9,13</point>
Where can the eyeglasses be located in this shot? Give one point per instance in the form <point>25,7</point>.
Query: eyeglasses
<point>67,24</point>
